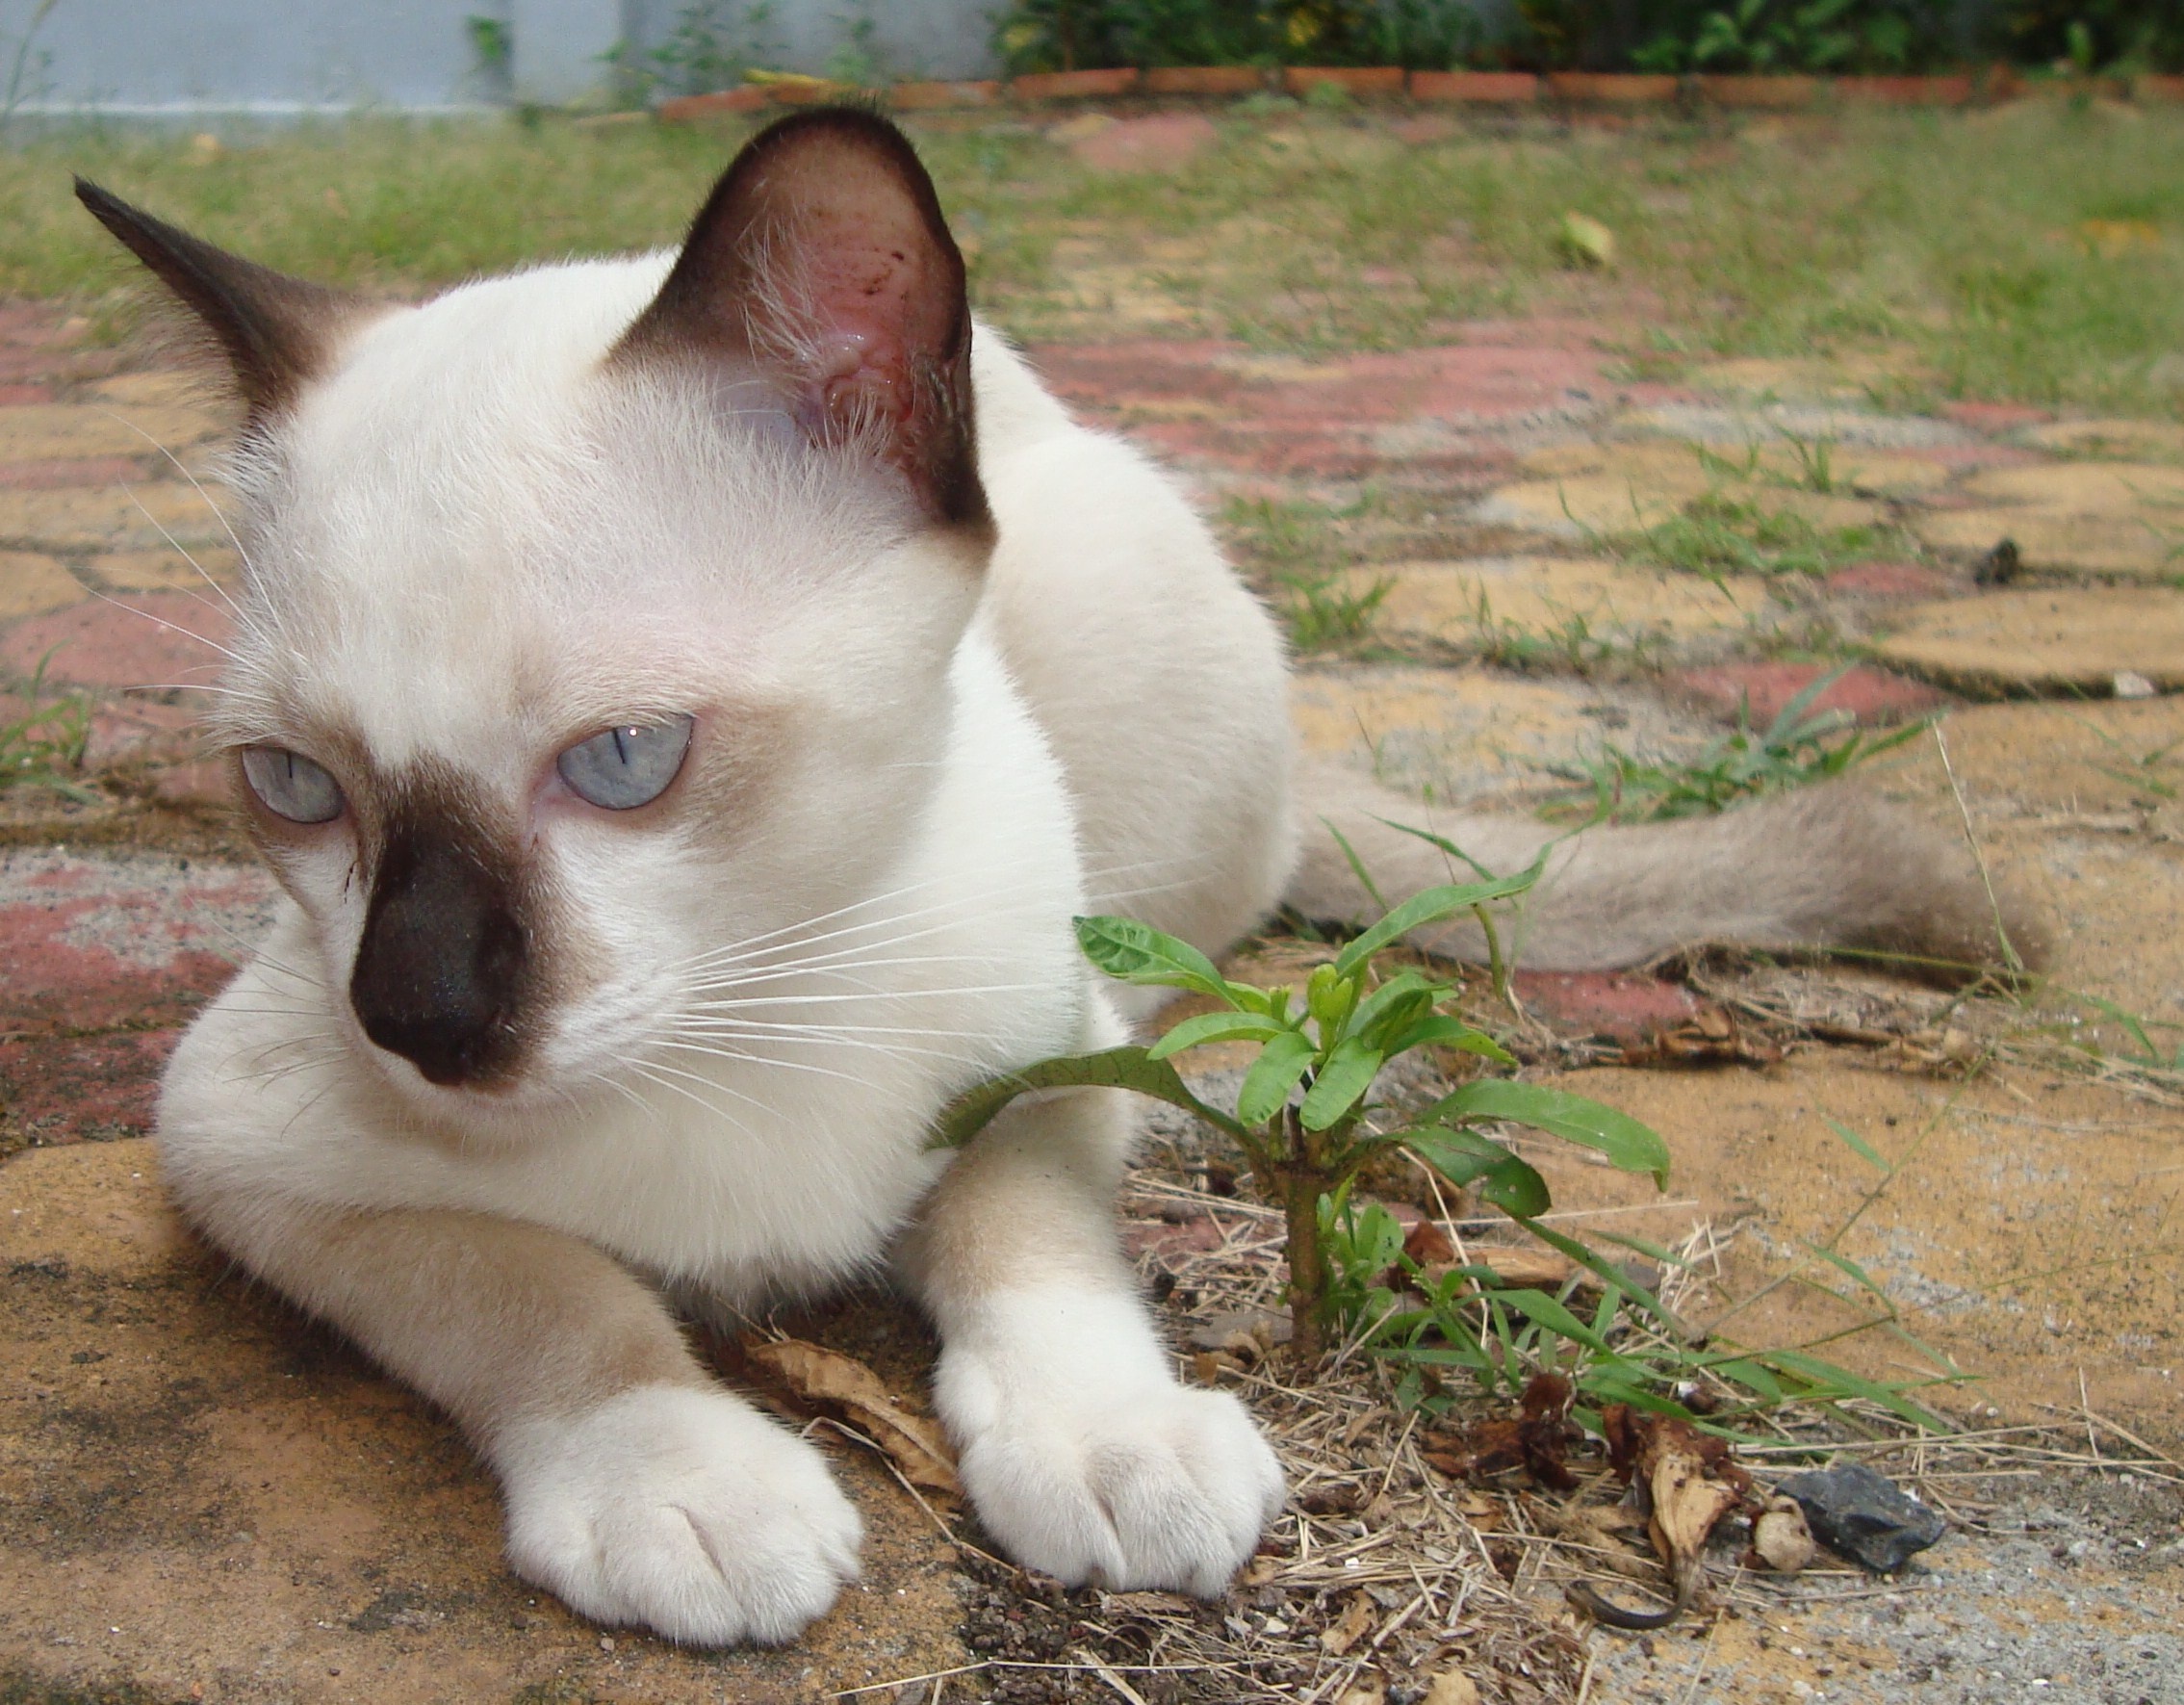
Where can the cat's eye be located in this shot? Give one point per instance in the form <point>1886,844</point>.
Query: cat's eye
<point>623,768</point>
<point>290,786</point>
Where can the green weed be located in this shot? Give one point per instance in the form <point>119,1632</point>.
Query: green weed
<point>1794,750</point>
<point>1570,645</point>
<point>44,746</point>
<point>1299,551</point>
<point>1720,533</point>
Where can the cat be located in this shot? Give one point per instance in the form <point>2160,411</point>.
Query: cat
<point>685,701</point>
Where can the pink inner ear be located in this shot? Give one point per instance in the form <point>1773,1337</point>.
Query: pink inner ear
<point>862,307</point>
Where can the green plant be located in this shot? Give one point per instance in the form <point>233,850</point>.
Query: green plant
<point>1627,1347</point>
<point>1795,749</point>
<point>1071,35</point>
<point>1297,546</point>
<point>1303,1113</point>
<point>20,63</point>
<point>1722,533</point>
<point>2090,35</point>
<point>711,45</point>
<point>45,746</point>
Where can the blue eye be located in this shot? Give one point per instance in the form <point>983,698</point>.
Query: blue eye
<point>290,786</point>
<point>627,767</point>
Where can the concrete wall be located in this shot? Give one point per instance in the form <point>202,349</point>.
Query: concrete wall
<point>160,58</point>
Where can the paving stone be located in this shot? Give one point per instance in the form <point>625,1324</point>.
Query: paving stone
<point>1458,737</point>
<point>2138,441</point>
<point>1162,141</point>
<point>1869,696</point>
<point>47,476</point>
<point>170,388</point>
<point>1993,417</point>
<point>149,640</point>
<point>165,570</point>
<point>75,1089</point>
<point>13,396</point>
<point>1617,503</point>
<point>2043,640</point>
<point>1464,604</point>
<point>58,429</point>
<point>203,1497</point>
<point>1760,470</point>
<point>2117,547</point>
<point>123,940</point>
<point>106,519</point>
<point>2007,1241</point>
<point>2085,488</point>
<point>1624,1007</point>
<point>1889,580</point>
<point>1767,423</point>
<point>30,583</point>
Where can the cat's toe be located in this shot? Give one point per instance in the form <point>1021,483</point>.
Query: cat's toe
<point>683,1511</point>
<point>1166,1488</point>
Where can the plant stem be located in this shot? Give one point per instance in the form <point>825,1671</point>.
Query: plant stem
<point>1308,1263</point>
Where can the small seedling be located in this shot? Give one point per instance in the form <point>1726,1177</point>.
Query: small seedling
<point>1303,1113</point>
<point>45,746</point>
<point>1797,748</point>
<point>1296,548</point>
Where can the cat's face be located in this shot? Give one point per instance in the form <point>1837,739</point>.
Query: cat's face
<point>598,621</point>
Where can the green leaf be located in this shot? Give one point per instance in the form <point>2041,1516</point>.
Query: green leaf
<point>1347,1075</point>
<point>1443,1031</point>
<point>1115,1068</point>
<point>1212,1027</point>
<point>1742,1370</point>
<point>1138,953</point>
<point>1853,1272</point>
<point>1611,1275</point>
<point>1625,1143</point>
<point>1404,986</point>
<point>1280,1064</point>
<point>1826,1375</point>
<point>1464,1157</point>
<point>1860,1146</point>
<point>1430,907</point>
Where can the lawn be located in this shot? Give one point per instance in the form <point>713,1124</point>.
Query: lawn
<point>2032,253</point>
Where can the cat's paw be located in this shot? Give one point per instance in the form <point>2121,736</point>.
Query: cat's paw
<point>1151,1485</point>
<point>682,1510</point>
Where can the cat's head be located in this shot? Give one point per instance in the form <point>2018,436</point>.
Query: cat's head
<point>596,619</point>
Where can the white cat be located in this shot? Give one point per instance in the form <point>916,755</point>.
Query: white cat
<point>685,700</point>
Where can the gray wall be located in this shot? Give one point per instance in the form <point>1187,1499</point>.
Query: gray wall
<point>160,58</point>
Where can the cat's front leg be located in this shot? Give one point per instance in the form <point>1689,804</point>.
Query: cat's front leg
<point>1084,1455</point>
<point>637,1490</point>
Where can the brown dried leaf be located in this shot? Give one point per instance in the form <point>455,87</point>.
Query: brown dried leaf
<point>1451,1687</point>
<point>1780,1539</point>
<point>1690,1481</point>
<point>1348,1628</point>
<point>913,1442</point>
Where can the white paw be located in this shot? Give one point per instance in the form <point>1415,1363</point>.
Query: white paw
<point>1085,1457</point>
<point>682,1511</point>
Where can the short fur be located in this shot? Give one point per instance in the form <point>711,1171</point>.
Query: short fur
<point>511,1070</point>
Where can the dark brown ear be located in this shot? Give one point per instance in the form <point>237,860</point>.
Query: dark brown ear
<point>821,262</point>
<point>273,329</point>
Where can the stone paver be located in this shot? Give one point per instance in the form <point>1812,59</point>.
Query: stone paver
<point>1464,604</point>
<point>2045,640</point>
<point>31,584</point>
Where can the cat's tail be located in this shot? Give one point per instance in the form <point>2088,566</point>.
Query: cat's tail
<point>1831,868</point>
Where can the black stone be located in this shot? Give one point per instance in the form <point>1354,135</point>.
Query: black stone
<point>1862,1516</point>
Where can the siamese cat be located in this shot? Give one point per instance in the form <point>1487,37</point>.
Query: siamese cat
<point>685,700</point>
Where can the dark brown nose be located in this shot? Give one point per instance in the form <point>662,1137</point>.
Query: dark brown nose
<point>439,972</point>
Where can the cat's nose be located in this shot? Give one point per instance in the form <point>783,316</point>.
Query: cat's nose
<point>441,967</point>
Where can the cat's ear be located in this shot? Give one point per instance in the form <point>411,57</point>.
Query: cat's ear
<point>275,330</point>
<point>821,262</point>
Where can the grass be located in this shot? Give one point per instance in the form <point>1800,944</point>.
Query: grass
<point>1937,250</point>
<point>43,748</point>
<point>1299,551</point>
<point>1797,748</point>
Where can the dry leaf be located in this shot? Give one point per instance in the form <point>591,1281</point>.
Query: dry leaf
<point>1687,1482</point>
<point>1348,1628</point>
<point>1370,1689</point>
<point>913,1441</point>
<point>1779,1537</point>
<point>1451,1687</point>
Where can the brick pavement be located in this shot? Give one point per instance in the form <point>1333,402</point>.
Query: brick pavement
<point>1484,480</point>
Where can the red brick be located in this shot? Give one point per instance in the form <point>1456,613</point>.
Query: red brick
<point>1905,92</point>
<point>1355,80</point>
<point>69,1089</point>
<point>152,639</point>
<point>1158,143</point>
<point>1870,696</point>
<point>1612,88</point>
<point>1623,1006</point>
<point>1995,417</point>
<point>14,396</point>
<point>921,97</point>
<point>1496,88</point>
<point>1204,79</point>
<point>721,103</point>
<point>96,945</point>
<point>1890,580</point>
<point>1773,93</point>
<point>45,476</point>
<point>1057,86</point>
<point>140,731</point>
